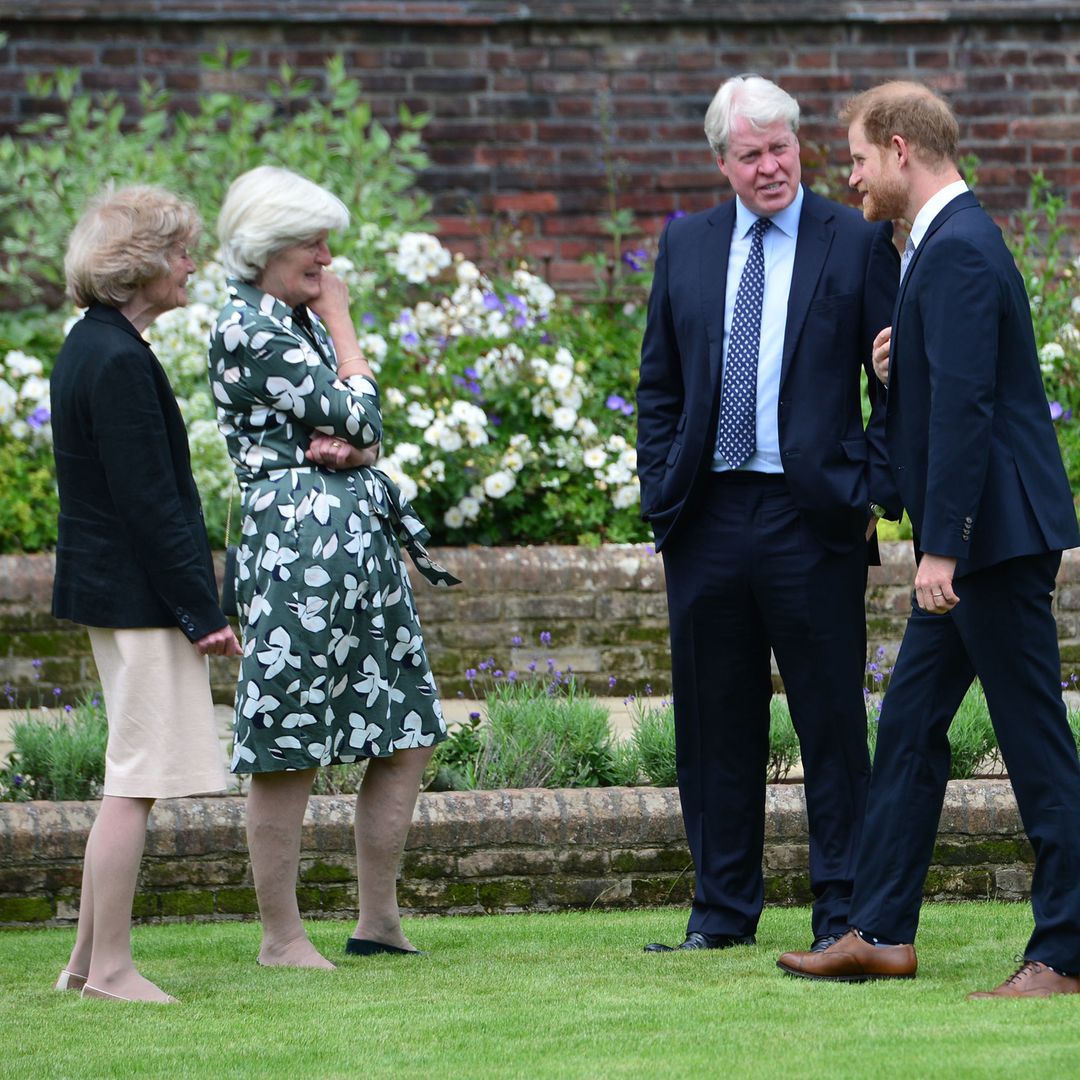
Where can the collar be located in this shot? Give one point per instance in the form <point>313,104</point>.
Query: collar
<point>786,220</point>
<point>932,207</point>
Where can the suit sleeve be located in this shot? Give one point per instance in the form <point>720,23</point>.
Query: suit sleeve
<point>879,297</point>
<point>660,393</point>
<point>131,434</point>
<point>960,338</point>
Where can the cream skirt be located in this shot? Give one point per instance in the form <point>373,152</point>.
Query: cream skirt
<point>162,738</point>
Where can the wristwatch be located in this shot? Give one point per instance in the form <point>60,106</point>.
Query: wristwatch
<point>877,509</point>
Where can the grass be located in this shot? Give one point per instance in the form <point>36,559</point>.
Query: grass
<point>536,996</point>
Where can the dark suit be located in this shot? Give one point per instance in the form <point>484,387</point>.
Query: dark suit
<point>132,548</point>
<point>978,467</point>
<point>756,562</point>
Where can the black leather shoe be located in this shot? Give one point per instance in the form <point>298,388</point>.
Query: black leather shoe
<point>697,940</point>
<point>823,942</point>
<point>366,947</point>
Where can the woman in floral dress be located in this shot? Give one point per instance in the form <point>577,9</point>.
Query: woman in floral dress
<point>334,667</point>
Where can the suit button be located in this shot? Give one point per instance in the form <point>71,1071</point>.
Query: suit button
<point>969,521</point>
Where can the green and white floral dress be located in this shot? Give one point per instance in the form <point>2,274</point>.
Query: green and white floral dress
<point>334,667</point>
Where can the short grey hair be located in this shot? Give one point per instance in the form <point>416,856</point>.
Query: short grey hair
<point>752,98</point>
<point>268,209</point>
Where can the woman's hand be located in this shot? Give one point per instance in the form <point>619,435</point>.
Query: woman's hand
<point>330,452</point>
<point>332,306</point>
<point>220,643</point>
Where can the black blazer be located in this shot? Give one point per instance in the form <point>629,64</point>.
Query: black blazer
<point>968,427</point>
<point>132,549</point>
<point>843,286</point>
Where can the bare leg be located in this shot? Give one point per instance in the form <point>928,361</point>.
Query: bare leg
<point>111,870</point>
<point>384,810</point>
<point>275,814</point>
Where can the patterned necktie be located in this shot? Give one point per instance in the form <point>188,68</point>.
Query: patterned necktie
<point>905,259</point>
<point>738,398</point>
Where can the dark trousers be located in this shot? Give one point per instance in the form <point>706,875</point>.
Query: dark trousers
<point>746,575</point>
<point>1002,630</point>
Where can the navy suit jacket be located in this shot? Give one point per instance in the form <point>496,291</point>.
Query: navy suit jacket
<point>968,428</point>
<point>843,287</point>
<point>132,548</point>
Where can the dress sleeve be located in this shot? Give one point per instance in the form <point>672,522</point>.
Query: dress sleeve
<point>256,363</point>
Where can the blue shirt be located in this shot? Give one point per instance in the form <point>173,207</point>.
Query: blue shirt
<point>779,250</point>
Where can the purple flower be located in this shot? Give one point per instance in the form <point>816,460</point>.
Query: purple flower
<point>673,215</point>
<point>545,338</point>
<point>470,674</point>
<point>38,418</point>
<point>409,339</point>
<point>615,403</point>
<point>517,303</point>
<point>493,303</point>
<point>1056,410</point>
<point>498,673</point>
<point>545,637</point>
<point>405,318</point>
<point>67,708</point>
<point>367,319</point>
<point>472,373</point>
<point>611,682</point>
<point>35,663</point>
<point>511,676</point>
<point>57,691</point>
<point>17,781</point>
<point>474,716</point>
<point>532,665</point>
<point>635,259</point>
<point>515,640</point>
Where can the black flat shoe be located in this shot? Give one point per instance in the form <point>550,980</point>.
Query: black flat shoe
<point>358,946</point>
<point>823,942</point>
<point>697,940</point>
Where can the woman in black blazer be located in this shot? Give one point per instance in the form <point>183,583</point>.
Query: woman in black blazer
<point>133,560</point>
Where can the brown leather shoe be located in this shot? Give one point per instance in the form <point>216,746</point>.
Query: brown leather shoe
<point>1032,980</point>
<point>852,960</point>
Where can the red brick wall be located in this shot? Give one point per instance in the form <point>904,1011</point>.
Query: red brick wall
<point>527,101</point>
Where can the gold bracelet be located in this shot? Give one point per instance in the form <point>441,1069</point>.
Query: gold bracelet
<point>350,360</point>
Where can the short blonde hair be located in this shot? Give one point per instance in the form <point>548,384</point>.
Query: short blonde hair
<point>122,242</point>
<point>268,209</point>
<point>754,99</point>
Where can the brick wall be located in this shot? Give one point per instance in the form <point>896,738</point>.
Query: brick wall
<point>530,103</point>
<point>605,609</point>
<point>477,852</point>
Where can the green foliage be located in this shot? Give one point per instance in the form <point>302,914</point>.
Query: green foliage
<point>58,755</point>
<point>783,742</point>
<point>654,740</point>
<point>57,160</point>
<point>28,499</point>
<point>541,736</point>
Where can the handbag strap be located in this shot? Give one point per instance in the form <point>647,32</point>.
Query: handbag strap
<point>228,515</point>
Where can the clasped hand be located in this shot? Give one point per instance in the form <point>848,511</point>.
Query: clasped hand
<point>330,452</point>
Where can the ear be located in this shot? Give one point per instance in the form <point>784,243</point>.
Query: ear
<point>899,150</point>
<point>720,164</point>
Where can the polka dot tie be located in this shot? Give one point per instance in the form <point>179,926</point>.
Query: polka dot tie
<point>738,399</point>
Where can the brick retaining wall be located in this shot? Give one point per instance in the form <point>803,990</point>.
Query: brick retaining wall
<point>531,102</point>
<point>477,852</point>
<point>605,609</point>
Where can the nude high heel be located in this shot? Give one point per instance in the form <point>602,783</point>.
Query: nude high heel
<point>70,981</point>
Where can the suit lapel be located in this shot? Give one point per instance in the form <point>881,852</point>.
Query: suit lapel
<point>811,249</point>
<point>712,280</point>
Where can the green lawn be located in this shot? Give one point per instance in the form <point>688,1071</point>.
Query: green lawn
<point>539,996</point>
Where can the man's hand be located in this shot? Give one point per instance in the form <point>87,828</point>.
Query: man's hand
<point>871,527</point>
<point>330,452</point>
<point>882,345</point>
<point>220,643</point>
<point>933,584</point>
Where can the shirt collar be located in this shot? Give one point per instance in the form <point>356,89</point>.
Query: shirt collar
<point>786,220</point>
<point>932,207</point>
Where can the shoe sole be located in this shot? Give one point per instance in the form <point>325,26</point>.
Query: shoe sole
<point>838,978</point>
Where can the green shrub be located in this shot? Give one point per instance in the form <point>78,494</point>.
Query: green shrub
<point>58,756</point>
<point>783,742</point>
<point>654,739</point>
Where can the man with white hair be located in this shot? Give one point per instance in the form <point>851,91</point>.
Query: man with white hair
<point>763,487</point>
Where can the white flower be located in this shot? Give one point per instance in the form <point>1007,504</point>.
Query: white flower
<point>470,508</point>
<point>467,273</point>
<point>419,415</point>
<point>18,363</point>
<point>564,418</point>
<point>498,484</point>
<point>594,457</point>
<point>586,428</point>
<point>393,396</point>
<point>419,256</point>
<point>1050,354</point>
<point>407,452</point>
<point>564,356</point>
<point>513,461</point>
<point>559,377</point>
<point>454,518</point>
<point>8,400</point>
<point>625,496</point>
